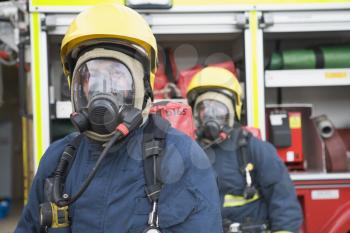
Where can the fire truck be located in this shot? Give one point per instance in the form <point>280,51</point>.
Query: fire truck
<point>251,33</point>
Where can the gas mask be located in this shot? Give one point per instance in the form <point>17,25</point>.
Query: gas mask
<point>104,83</point>
<point>213,113</point>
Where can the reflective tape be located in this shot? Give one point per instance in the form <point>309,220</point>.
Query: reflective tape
<point>237,200</point>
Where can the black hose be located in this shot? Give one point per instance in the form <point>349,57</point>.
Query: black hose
<point>132,118</point>
<point>215,142</point>
<point>219,139</point>
<point>59,174</point>
<point>64,202</point>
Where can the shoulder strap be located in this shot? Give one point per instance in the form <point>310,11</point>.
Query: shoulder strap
<point>62,169</point>
<point>153,150</point>
<point>72,148</point>
<point>244,156</point>
<point>245,163</point>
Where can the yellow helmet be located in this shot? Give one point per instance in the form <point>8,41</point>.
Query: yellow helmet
<point>111,22</point>
<point>216,79</point>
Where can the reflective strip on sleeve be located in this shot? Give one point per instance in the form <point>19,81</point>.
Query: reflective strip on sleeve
<point>237,200</point>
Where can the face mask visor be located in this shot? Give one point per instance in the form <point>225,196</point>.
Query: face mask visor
<point>108,77</point>
<point>212,110</point>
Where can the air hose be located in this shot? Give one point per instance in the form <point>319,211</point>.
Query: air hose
<point>132,118</point>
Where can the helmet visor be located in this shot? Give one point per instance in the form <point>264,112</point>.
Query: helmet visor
<point>212,110</point>
<point>102,76</point>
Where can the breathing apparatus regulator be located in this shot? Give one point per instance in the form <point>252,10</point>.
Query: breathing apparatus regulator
<point>224,134</point>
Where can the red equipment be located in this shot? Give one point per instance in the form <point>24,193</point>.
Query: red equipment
<point>228,65</point>
<point>326,204</point>
<point>286,135</point>
<point>293,155</point>
<point>4,55</point>
<point>185,78</point>
<point>178,114</point>
<point>254,131</point>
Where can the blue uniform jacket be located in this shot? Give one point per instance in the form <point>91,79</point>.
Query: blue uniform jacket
<point>278,204</point>
<point>115,201</point>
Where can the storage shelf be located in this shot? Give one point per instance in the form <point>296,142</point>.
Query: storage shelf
<point>307,78</point>
<point>319,176</point>
<point>169,22</point>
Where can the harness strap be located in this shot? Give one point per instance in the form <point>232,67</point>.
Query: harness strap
<point>245,164</point>
<point>153,151</point>
<point>73,147</point>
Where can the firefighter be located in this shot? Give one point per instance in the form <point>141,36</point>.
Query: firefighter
<point>256,191</point>
<point>127,171</point>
